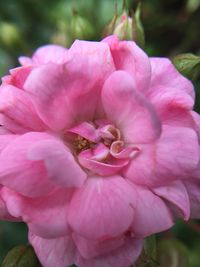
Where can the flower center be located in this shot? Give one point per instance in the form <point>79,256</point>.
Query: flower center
<point>99,147</point>
<point>81,143</point>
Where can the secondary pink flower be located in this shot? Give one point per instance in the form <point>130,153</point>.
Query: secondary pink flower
<point>99,149</point>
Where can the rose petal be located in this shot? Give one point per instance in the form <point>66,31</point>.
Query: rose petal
<point>176,83</point>
<point>151,214</point>
<point>71,89</point>
<point>18,173</point>
<point>89,248</point>
<point>25,61</point>
<point>173,157</point>
<point>177,151</point>
<point>6,139</point>
<point>129,57</point>
<point>4,214</point>
<point>46,86</point>
<point>196,120</point>
<point>86,130</point>
<point>93,213</point>
<point>164,98</point>
<point>193,189</point>
<point>95,161</point>
<point>59,162</point>
<point>46,216</point>
<point>18,76</point>
<point>176,193</point>
<point>129,110</point>
<point>176,116</point>
<point>46,54</point>
<point>57,252</point>
<point>18,111</point>
<point>124,256</point>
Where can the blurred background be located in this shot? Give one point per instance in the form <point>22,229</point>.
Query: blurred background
<point>171,27</point>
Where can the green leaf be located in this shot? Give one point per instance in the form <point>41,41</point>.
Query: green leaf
<point>21,256</point>
<point>172,253</point>
<point>150,246</point>
<point>148,257</point>
<point>188,64</point>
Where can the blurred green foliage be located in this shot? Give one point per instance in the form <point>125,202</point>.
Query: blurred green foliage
<point>171,28</point>
<point>11,234</point>
<point>21,256</point>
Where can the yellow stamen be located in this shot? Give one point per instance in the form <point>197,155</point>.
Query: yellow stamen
<point>81,143</point>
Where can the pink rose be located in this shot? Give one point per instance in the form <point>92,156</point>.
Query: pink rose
<point>99,149</point>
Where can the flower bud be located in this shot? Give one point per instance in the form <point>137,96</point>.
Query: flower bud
<point>61,36</point>
<point>188,65</point>
<point>21,256</point>
<point>123,28</point>
<point>126,27</point>
<point>80,28</point>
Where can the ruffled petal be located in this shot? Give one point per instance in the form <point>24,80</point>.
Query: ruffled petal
<point>46,54</point>
<point>93,213</point>
<point>86,130</point>
<point>58,252</point>
<point>124,256</point>
<point>193,189</point>
<point>25,61</point>
<point>4,214</point>
<point>93,161</point>
<point>17,76</point>
<point>177,151</point>
<point>151,214</point>
<point>19,173</point>
<point>164,98</point>
<point>129,57</point>
<point>129,110</point>
<point>176,193</point>
<point>177,117</point>
<point>141,168</point>
<point>196,119</point>
<point>6,139</point>
<point>174,156</point>
<point>47,87</point>
<point>165,92</point>
<point>17,111</point>
<point>46,216</point>
<point>161,66</point>
<point>59,162</point>
<point>69,93</point>
<point>90,249</point>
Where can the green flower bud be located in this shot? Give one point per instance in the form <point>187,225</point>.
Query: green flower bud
<point>60,36</point>
<point>21,256</point>
<point>123,28</point>
<point>77,28</point>
<point>138,30</point>
<point>188,65</point>
<point>126,27</point>
<point>80,28</point>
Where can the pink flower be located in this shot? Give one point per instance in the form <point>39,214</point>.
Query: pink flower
<point>99,149</point>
